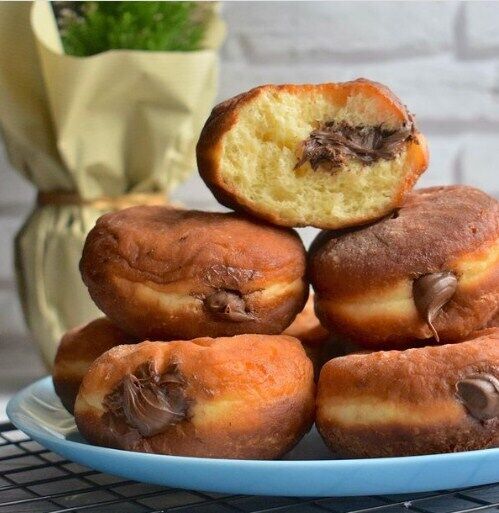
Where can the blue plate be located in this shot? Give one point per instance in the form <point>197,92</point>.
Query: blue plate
<point>307,471</point>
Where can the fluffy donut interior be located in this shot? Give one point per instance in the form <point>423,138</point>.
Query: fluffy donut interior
<point>260,152</point>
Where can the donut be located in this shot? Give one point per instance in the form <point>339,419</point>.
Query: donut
<point>78,348</point>
<point>247,396</point>
<point>320,345</point>
<point>306,327</point>
<point>81,346</point>
<point>494,322</point>
<point>434,399</point>
<point>327,155</point>
<point>313,336</point>
<point>429,270</point>
<point>167,274</point>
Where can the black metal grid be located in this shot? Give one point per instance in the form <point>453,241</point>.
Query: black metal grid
<point>33,479</point>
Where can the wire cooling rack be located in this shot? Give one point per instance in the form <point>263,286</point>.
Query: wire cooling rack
<point>33,479</point>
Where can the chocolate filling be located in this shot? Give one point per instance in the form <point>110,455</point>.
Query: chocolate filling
<point>148,401</point>
<point>333,142</point>
<point>480,395</point>
<point>228,305</point>
<point>431,292</point>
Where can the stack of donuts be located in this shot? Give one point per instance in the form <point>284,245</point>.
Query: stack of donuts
<point>208,345</point>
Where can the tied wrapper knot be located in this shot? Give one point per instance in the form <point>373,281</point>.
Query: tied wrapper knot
<point>101,202</point>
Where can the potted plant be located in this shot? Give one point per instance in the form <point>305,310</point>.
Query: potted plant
<point>101,104</point>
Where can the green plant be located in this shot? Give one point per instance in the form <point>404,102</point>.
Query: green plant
<point>88,28</point>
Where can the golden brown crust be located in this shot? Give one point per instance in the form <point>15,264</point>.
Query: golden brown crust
<point>401,403</point>
<point>494,322</point>
<point>315,339</point>
<point>430,230</point>
<point>225,115</point>
<point>306,327</point>
<point>320,345</point>
<point>78,348</point>
<point>152,270</point>
<point>250,396</point>
<point>453,228</point>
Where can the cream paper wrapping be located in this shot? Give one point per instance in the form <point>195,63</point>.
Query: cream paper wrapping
<point>120,122</point>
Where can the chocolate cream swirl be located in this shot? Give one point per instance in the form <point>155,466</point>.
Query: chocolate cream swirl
<point>148,401</point>
<point>480,395</point>
<point>228,305</point>
<point>333,142</point>
<point>431,292</point>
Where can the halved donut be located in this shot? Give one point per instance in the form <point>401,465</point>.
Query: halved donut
<point>327,155</point>
<point>248,396</point>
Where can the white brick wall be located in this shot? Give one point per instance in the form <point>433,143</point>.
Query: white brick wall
<point>442,58</point>
<point>480,30</point>
<point>278,33</point>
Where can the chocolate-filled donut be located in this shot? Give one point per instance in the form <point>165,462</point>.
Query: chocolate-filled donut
<point>78,348</point>
<point>430,269</point>
<point>427,400</point>
<point>81,346</point>
<point>248,396</point>
<point>327,155</point>
<point>164,274</point>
